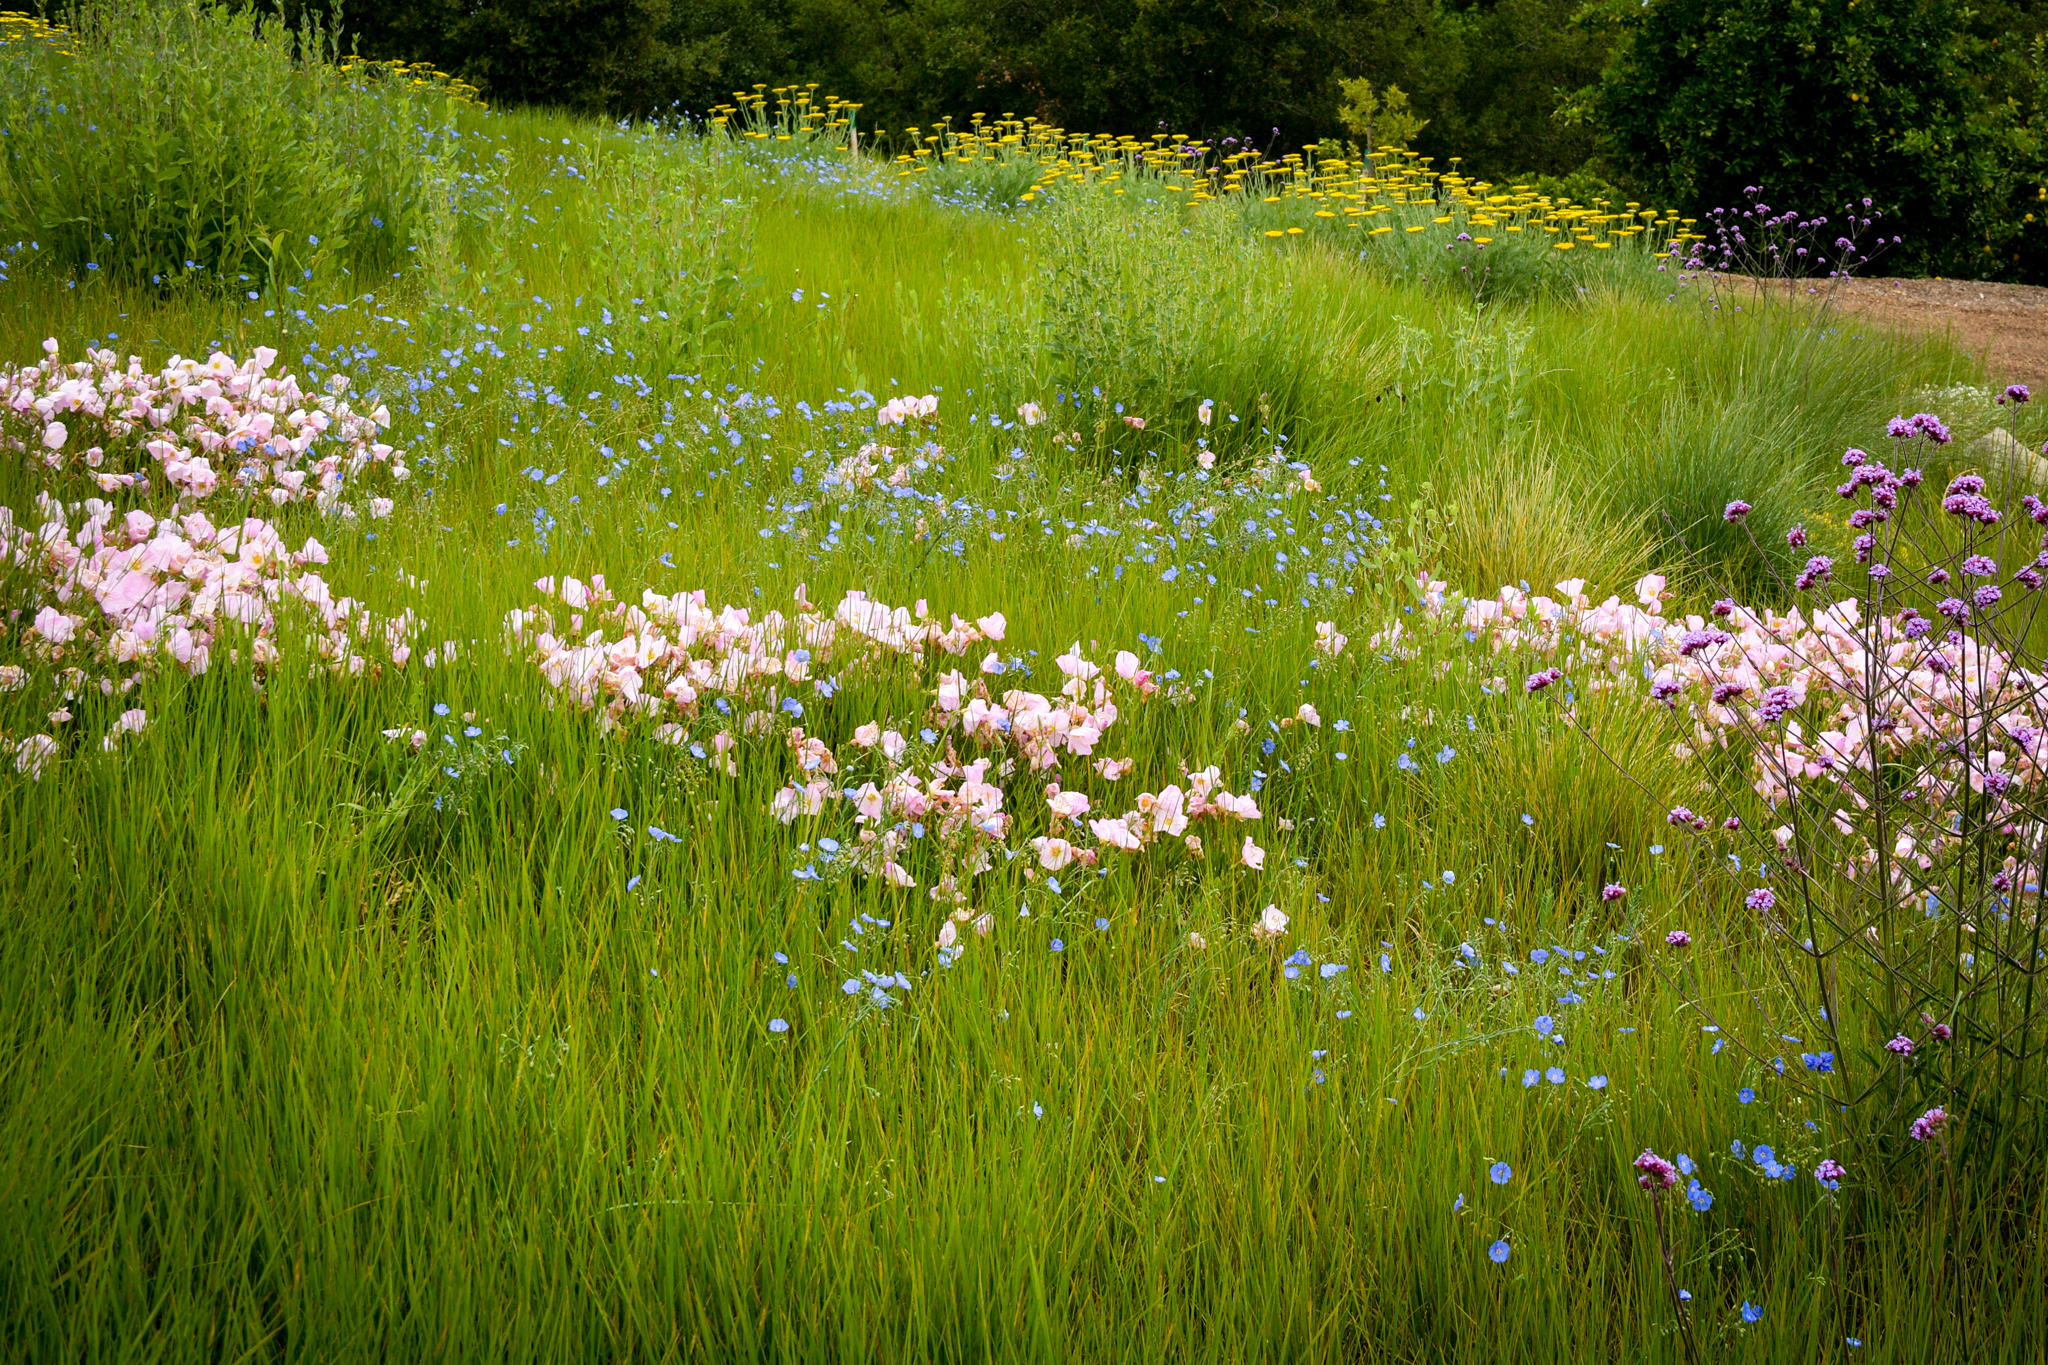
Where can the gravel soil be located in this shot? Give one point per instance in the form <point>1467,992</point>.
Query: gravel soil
<point>2003,325</point>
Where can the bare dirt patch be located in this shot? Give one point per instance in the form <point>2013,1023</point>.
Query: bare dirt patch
<point>2004,325</point>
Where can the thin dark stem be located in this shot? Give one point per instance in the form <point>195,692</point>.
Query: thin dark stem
<point>1692,1350</point>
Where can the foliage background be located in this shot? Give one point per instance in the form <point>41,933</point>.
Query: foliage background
<point>1684,101</point>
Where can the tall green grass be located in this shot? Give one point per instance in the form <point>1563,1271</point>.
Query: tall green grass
<point>316,1051</point>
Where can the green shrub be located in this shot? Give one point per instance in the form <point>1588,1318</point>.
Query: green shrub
<point>1146,312</point>
<point>181,142</point>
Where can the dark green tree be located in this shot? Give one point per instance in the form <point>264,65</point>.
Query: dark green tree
<point>1824,102</point>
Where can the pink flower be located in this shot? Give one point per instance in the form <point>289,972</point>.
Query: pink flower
<point>1116,833</point>
<point>54,435</point>
<point>32,753</point>
<point>55,626</point>
<point>1928,1124</point>
<point>1613,891</point>
<point>1251,855</point>
<point>1901,1046</point>
<point>1053,853</point>
<point>1678,938</point>
<point>1658,1175</point>
<point>1272,924</point>
<point>1067,805</point>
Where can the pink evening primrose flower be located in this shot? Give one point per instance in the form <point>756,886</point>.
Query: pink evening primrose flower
<point>1272,924</point>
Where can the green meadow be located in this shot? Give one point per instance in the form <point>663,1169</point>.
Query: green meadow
<point>541,1036</point>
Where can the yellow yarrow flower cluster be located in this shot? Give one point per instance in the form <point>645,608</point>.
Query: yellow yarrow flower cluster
<point>1320,188</point>
<point>22,30</point>
<point>788,113</point>
<point>422,76</point>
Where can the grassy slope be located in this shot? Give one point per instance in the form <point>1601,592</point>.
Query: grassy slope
<point>296,1062</point>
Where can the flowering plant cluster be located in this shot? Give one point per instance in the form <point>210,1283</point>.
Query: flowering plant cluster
<point>100,597</point>
<point>110,601</point>
<point>199,425</point>
<point>1784,244</point>
<point>723,676</point>
<point>1878,752</point>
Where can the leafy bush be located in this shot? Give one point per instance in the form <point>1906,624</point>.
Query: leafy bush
<point>181,142</point>
<point>1165,312</point>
